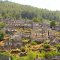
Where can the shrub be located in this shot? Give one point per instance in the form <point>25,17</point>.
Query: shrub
<point>46,46</point>
<point>58,47</point>
<point>30,56</point>
<point>1,36</point>
<point>50,54</point>
<point>33,43</point>
<point>22,49</point>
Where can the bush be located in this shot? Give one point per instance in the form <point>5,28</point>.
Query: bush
<point>33,43</point>
<point>58,47</point>
<point>52,24</point>
<point>1,36</point>
<point>30,56</point>
<point>2,24</point>
<point>50,54</point>
<point>22,49</point>
<point>46,46</point>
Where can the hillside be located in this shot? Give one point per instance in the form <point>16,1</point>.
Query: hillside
<point>17,11</point>
<point>28,33</point>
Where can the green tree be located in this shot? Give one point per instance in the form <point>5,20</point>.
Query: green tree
<point>2,24</point>
<point>52,24</point>
<point>16,11</point>
<point>40,20</point>
<point>1,36</point>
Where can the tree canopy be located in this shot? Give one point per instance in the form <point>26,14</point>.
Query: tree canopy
<point>2,24</point>
<point>17,11</point>
<point>1,36</point>
<point>52,24</point>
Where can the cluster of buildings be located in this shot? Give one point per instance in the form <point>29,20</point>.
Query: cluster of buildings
<point>27,29</point>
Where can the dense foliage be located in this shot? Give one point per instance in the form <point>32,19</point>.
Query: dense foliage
<point>1,36</point>
<point>16,11</point>
<point>2,24</point>
<point>29,49</point>
<point>52,24</point>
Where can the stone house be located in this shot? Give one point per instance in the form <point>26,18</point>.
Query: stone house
<point>57,28</point>
<point>14,42</point>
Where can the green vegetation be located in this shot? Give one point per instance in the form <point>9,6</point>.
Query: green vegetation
<point>52,24</point>
<point>1,36</point>
<point>58,47</point>
<point>50,54</point>
<point>46,46</point>
<point>29,47</point>
<point>38,20</point>
<point>22,49</point>
<point>16,11</point>
<point>33,43</point>
<point>2,24</point>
